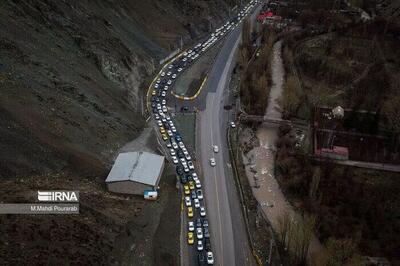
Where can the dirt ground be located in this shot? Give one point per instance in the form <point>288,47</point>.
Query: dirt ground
<point>258,226</point>
<point>110,229</point>
<point>189,82</point>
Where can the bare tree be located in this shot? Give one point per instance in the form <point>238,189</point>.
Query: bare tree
<point>340,252</point>
<point>314,184</point>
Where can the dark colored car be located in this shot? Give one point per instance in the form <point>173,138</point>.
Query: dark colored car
<point>184,179</point>
<point>178,137</point>
<point>198,222</point>
<point>193,194</point>
<point>190,177</point>
<point>179,170</point>
<point>207,244</point>
<point>201,259</point>
<point>180,154</point>
<point>153,104</point>
<point>206,233</point>
<point>205,223</point>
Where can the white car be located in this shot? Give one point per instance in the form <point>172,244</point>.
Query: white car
<point>199,193</point>
<point>169,73</point>
<point>202,211</point>
<point>190,165</point>
<point>198,184</point>
<point>169,132</point>
<point>159,123</point>
<point>196,203</point>
<point>163,94</point>
<point>175,160</point>
<point>169,82</point>
<point>162,74</point>
<point>174,145</point>
<point>186,169</point>
<point>210,258</point>
<point>170,66</point>
<point>232,124</point>
<point>165,88</point>
<point>199,233</point>
<point>200,246</point>
<point>172,152</point>
<point>174,76</point>
<point>164,108</point>
<point>183,161</point>
<point>180,69</point>
<point>195,177</point>
<point>187,156</point>
<point>212,162</point>
<point>191,226</point>
<point>188,201</point>
<point>173,129</point>
<point>215,148</point>
<point>181,145</point>
<point>164,102</point>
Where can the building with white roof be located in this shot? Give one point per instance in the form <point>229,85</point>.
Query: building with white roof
<point>135,173</point>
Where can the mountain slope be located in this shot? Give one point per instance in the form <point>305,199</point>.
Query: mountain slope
<point>72,75</point>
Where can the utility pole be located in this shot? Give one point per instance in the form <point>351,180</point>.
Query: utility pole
<point>181,43</point>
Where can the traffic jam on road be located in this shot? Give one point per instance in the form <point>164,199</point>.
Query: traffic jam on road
<point>198,233</point>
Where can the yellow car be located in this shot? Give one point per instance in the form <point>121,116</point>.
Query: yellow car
<point>191,185</point>
<point>153,93</point>
<point>186,189</point>
<point>190,212</point>
<point>164,137</point>
<point>162,130</point>
<point>190,238</point>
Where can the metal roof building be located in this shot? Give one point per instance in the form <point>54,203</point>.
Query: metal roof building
<point>135,172</point>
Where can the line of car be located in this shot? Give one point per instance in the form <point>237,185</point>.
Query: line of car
<point>192,188</point>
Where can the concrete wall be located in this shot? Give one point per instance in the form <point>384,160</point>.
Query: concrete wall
<point>128,187</point>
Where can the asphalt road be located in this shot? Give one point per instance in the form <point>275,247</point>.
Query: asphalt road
<point>228,233</point>
<point>227,227</point>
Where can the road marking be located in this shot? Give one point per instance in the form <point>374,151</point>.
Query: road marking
<point>216,186</point>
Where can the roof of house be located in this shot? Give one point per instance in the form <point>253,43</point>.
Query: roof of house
<point>141,167</point>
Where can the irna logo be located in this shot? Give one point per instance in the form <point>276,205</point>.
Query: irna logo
<point>58,196</point>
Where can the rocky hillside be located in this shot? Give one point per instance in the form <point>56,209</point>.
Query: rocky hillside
<point>73,73</point>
